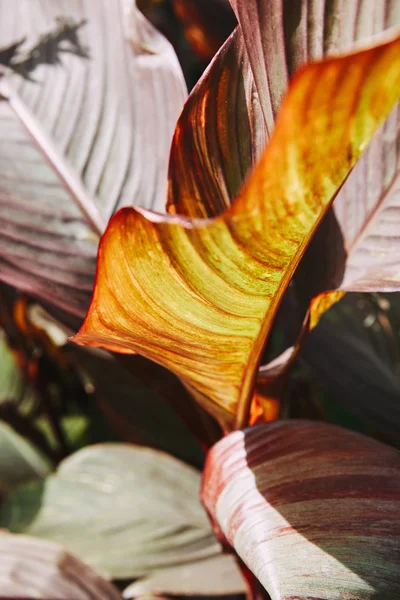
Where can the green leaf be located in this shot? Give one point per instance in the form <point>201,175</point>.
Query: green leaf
<point>125,510</point>
<point>19,460</point>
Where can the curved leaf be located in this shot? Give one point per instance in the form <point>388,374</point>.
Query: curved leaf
<point>199,297</point>
<point>123,509</point>
<point>88,106</point>
<point>220,134</point>
<point>312,509</point>
<point>31,568</point>
<point>281,36</point>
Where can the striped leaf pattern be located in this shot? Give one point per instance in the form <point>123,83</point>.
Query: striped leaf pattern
<point>199,297</point>
<point>88,108</point>
<point>312,509</point>
<point>31,568</point>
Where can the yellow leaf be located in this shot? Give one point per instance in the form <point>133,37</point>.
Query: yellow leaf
<point>199,296</point>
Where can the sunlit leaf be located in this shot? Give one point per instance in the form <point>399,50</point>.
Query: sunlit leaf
<point>199,297</point>
<point>220,134</point>
<point>89,104</point>
<point>123,509</point>
<point>311,508</point>
<point>281,36</point>
<point>31,568</point>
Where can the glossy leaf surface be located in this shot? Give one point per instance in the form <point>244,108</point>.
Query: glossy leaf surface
<point>199,297</point>
<point>311,508</point>
<point>89,104</point>
<point>31,568</point>
<point>123,509</point>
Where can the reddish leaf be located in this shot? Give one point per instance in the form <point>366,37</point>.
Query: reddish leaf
<point>312,509</point>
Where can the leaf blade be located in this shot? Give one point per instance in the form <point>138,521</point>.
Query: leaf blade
<point>310,508</point>
<point>222,278</point>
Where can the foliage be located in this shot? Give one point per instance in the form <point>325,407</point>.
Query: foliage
<point>262,292</point>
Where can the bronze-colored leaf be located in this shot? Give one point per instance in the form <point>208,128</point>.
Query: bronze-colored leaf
<point>312,509</point>
<point>199,297</point>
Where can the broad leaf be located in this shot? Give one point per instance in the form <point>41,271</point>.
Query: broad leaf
<point>199,297</point>
<point>123,509</point>
<point>20,462</point>
<point>281,36</point>
<point>88,107</point>
<point>216,576</point>
<point>312,509</point>
<point>31,568</point>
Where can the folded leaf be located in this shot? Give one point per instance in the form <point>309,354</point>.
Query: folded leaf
<point>88,106</point>
<point>123,509</point>
<point>31,568</point>
<point>220,134</point>
<point>199,297</point>
<point>312,509</point>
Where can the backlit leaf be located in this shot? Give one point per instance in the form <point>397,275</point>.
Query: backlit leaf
<point>281,36</point>
<point>198,296</point>
<point>31,568</point>
<point>123,509</point>
<point>87,112</point>
<point>312,509</point>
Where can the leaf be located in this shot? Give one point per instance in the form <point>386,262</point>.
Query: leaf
<point>88,111</point>
<point>281,36</point>
<point>20,462</point>
<point>199,297</point>
<point>123,509</point>
<point>216,576</point>
<point>33,568</point>
<point>311,509</point>
<point>352,367</point>
<point>220,134</point>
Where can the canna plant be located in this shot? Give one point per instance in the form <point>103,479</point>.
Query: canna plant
<point>311,509</point>
<point>265,198</point>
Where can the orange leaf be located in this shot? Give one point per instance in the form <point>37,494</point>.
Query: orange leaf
<point>199,296</point>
